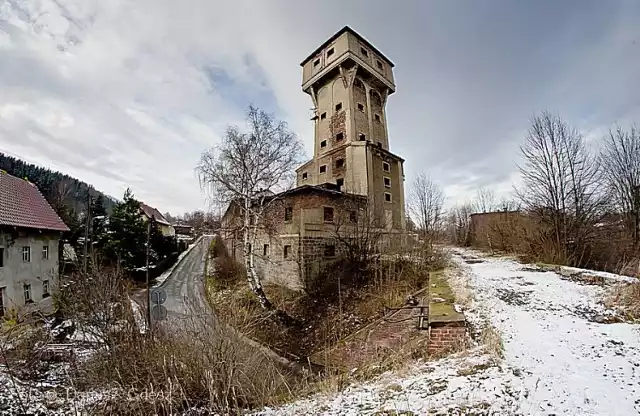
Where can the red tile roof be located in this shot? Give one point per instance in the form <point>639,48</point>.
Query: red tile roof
<point>22,205</point>
<point>152,212</point>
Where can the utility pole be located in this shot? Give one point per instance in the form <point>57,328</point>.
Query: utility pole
<point>149,321</point>
<point>87,222</point>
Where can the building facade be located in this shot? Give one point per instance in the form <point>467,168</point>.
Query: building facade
<point>353,185</point>
<point>30,232</point>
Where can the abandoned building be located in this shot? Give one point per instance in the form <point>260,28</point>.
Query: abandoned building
<point>352,175</point>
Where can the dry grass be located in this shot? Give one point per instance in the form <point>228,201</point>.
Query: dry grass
<point>492,341</point>
<point>625,298</point>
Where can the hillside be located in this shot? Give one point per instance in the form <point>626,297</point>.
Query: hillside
<point>67,195</point>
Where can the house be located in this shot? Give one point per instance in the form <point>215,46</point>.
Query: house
<point>183,229</point>
<point>30,232</point>
<point>353,178</point>
<point>149,212</point>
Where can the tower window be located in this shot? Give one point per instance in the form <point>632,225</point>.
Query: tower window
<point>265,250</point>
<point>323,143</point>
<point>339,163</point>
<point>328,214</point>
<point>340,183</point>
<point>286,251</point>
<point>375,116</point>
<point>380,65</point>
<point>288,213</point>
<point>338,106</point>
<point>316,62</point>
<point>304,175</point>
<point>386,167</point>
<point>361,107</point>
<point>323,168</point>
<point>353,216</point>
<point>379,144</point>
<point>339,137</point>
<point>362,137</point>
<point>329,52</point>
<point>323,115</point>
<point>387,182</point>
<point>329,250</point>
<point>364,52</point>
<point>387,197</point>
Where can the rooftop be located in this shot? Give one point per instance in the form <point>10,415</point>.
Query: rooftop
<point>150,211</point>
<point>22,205</point>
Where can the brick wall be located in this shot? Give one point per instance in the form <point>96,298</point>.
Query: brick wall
<point>446,337</point>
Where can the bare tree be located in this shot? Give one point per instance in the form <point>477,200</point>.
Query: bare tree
<point>247,169</point>
<point>621,165</point>
<point>459,224</point>
<point>485,200</point>
<point>426,200</point>
<point>560,183</point>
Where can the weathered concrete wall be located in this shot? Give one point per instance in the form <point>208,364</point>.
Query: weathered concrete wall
<point>16,273</point>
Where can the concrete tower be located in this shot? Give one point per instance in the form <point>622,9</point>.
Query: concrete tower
<point>349,81</point>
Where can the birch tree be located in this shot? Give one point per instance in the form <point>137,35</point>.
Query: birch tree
<point>248,168</point>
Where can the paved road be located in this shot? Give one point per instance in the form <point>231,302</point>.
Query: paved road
<point>185,285</point>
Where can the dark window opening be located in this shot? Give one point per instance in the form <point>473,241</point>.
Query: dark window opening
<point>339,163</point>
<point>361,107</point>
<point>329,52</point>
<point>380,66</point>
<point>362,137</point>
<point>1,256</point>
<point>340,182</point>
<point>328,214</point>
<point>329,250</point>
<point>364,52</point>
<point>45,289</point>
<point>27,294</point>
<point>323,143</point>
<point>387,182</point>
<point>353,216</point>
<point>339,137</point>
<point>387,197</point>
<point>252,219</point>
<point>386,167</point>
<point>2,289</point>
<point>265,250</point>
<point>304,175</point>
<point>338,106</point>
<point>288,213</point>
<point>286,252</point>
<point>323,168</point>
<point>377,117</point>
<point>379,144</point>
<point>323,115</point>
<point>316,62</point>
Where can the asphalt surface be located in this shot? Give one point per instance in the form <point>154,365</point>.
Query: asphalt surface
<point>185,285</point>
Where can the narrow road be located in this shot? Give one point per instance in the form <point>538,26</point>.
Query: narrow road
<point>185,285</point>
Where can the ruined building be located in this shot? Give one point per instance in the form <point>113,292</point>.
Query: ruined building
<point>349,82</point>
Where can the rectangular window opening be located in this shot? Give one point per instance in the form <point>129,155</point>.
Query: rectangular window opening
<point>316,62</point>
<point>45,252</point>
<point>329,250</point>
<point>2,311</point>
<point>339,163</point>
<point>323,144</point>
<point>361,107</point>
<point>364,52</point>
<point>386,167</point>
<point>340,183</point>
<point>377,117</point>
<point>288,213</point>
<point>286,252</point>
<point>339,137</point>
<point>26,254</point>
<point>323,168</point>
<point>45,289</point>
<point>323,115</point>
<point>380,65</point>
<point>27,294</point>
<point>328,214</point>
<point>338,106</point>
<point>265,250</point>
<point>1,256</point>
<point>387,197</point>
<point>362,137</point>
<point>330,52</point>
<point>304,175</point>
<point>387,182</point>
<point>379,144</point>
<point>353,217</point>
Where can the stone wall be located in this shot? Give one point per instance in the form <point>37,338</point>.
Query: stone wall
<point>445,337</point>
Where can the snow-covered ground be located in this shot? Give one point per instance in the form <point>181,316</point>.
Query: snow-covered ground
<point>161,279</point>
<point>558,358</point>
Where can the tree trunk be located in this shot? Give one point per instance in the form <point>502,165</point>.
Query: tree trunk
<point>252,276</point>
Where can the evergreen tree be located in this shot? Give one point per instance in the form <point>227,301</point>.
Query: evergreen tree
<point>128,233</point>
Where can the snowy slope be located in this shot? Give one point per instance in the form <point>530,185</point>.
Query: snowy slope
<point>558,359</point>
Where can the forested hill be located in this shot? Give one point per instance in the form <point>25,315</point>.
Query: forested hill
<point>67,195</point>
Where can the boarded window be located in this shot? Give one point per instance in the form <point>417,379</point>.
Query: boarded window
<point>286,252</point>
<point>328,214</point>
<point>288,213</point>
<point>329,250</point>
<point>323,168</point>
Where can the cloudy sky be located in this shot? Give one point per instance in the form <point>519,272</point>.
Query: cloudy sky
<point>128,93</point>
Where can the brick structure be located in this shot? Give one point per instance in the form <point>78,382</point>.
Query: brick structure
<point>446,337</point>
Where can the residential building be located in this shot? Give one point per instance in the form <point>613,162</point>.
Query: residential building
<point>165,226</point>
<point>353,180</point>
<point>30,232</point>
